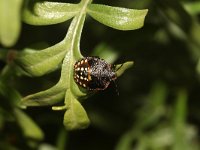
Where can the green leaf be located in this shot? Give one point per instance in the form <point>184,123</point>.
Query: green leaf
<point>67,52</point>
<point>62,140</point>
<point>192,7</point>
<point>154,105</point>
<point>29,128</point>
<point>3,54</point>
<point>40,62</point>
<point>10,23</point>
<point>45,13</point>
<point>106,52</point>
<point>116,17</point>
<point>11,95</point>
<point>70,48</point>
<point>75,116</point>
<point>157,97</point>
<point>73,41</point>
<point>179,120</point>
<point>123,67</point>
<point>47,97</point>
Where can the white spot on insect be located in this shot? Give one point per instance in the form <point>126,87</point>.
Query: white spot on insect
<point>77,76</point>
<point>86,69</point>
<point>78,63</point>
<point>81,73</point>
<point>78,68</point>
<point>82,61</point>
<point>80,83</point>
<point>81,78</point>
<point>85,79</point>
<point>85,60</point>
<point>84,85</point>
<point>82,68</point>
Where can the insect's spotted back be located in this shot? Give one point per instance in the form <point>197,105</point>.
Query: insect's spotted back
<point>81,72</point>
<point>93,73</point>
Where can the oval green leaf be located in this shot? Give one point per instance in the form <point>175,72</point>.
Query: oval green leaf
<point>45,13</point>
<point>192,8</point>
<point>106,52</point>
<point>75,116</point>
<point>116,17</point>
<point>10,21</point>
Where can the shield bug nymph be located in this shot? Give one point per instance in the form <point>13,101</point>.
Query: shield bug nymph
<point>93,73</point>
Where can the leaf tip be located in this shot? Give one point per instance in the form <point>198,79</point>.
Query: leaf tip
<point>121,68</point>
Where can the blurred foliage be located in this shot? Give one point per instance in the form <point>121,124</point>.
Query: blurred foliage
<point>158,103</point>
<point>10,15</point>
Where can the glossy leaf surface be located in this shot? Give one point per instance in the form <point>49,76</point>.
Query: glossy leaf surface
<point>116,17</point>
<point>44,13</point>
<point>39,62</point>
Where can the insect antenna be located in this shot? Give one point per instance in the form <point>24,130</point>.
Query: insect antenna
<point>116,69</point>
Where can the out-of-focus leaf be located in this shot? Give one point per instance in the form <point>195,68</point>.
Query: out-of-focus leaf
<point>192,8</point>
<point>7,146</point>
<point>154,107</point>
<point>3,54</point>
<point>1,120</point>
<point>125,143</point>
<point>181,141</point>
<point>116,17</point>
<point>176,13</point>
<point>10,94</point>
<point>10,23</point>
<point>29,128</point>
<point>75,116</point>
<point>106,52</point>
<point>163,137</point>
<point>62,140</point>
<point>45,146</point>
<point>45,13</point>
<point>120,68</point>
<point>180,109</point>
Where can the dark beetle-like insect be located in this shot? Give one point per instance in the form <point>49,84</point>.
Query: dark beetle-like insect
<point>93,73</point>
